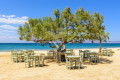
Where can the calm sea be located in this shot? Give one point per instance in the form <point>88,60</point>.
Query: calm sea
<point>36,46</point>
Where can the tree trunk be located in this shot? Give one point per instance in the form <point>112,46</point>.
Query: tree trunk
<point>59,50</point>
<point>100,46</point>
<point>62,45</point>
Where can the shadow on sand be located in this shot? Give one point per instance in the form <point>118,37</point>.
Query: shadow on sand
<point>101,61</point>
<point>105,61</point>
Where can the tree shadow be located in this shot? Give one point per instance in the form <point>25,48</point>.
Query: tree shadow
<point>51,60</point>
<point>105,61</point>
<point>101,61</point>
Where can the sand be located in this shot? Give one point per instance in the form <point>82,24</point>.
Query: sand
<point>108,69</point>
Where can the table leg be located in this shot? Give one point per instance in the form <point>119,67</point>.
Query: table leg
<point>75,63</point>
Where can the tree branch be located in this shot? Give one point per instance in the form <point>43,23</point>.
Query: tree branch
<point>42,43</point>
<point>51,45</point>
<point>55,44</point>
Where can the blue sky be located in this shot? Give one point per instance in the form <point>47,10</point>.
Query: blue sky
<point>15,12</point>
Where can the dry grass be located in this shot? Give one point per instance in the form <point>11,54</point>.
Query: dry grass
<point>112,51</point>
<point>118,49</point>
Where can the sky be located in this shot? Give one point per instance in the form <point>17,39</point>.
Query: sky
<point>14,13</point>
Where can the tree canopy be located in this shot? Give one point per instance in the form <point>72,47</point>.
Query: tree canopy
<point>65,27</point>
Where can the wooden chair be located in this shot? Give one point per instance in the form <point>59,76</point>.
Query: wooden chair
<point>20,54</point>
<point>86,55</point>
<point>81,54</point>
<point>94,56</point>
<point>14,56</point>
<point>79,62</point>
<point>71,51</point>
<point>28,60</point>
<point>42,57</point>
<point>51,54</point>
<point>69,63</point>
<point>104,52</point>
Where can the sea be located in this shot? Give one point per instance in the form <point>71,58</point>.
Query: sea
<point>37,46</point>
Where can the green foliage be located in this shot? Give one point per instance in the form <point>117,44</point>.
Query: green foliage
<point>65,27</point>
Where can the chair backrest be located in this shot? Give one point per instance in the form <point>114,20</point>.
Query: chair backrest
<point>42,56</point>
<point>80,51</point>
<point>104,51</point>
<point>13,53</point>
<point>31,51</point>
<point>50,53</point>
<point>66,57</point>
<point>109,52</point>
<point>70,51</point>
<point>81,54</point>
<point>87,50</point>
<point>67,54</point>
<point>26,55</point>
<point>94,54</point>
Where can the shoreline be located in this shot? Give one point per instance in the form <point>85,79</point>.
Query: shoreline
<point>55,49</point>
<point>45,51</point>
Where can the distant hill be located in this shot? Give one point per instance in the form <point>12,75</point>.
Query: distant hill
<point>102,42</point>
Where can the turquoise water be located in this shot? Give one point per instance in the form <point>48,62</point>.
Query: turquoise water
<point>36,46</point>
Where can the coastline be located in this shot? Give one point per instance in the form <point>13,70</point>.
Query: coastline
<point>21,46</point>
<point>55,49</point>
<point>45,51</point>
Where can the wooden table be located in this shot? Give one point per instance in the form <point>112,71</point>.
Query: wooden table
<point>74,58</point>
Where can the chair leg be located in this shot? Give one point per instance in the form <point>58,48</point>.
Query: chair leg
<point>79,65</point>
<point>34,63</point>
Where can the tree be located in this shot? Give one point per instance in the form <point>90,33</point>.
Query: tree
<point>65,27</point>
<point>100,29</point>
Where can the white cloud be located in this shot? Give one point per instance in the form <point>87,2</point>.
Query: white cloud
<point>2,36</point>
<point>7,27</point>
<point>8,31</point>
<point>12,19</point>
<point>23,17</point>
<point>9,37</point>
<point>8,16</point>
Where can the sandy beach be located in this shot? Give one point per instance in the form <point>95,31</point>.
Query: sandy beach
<point>108,69</point>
